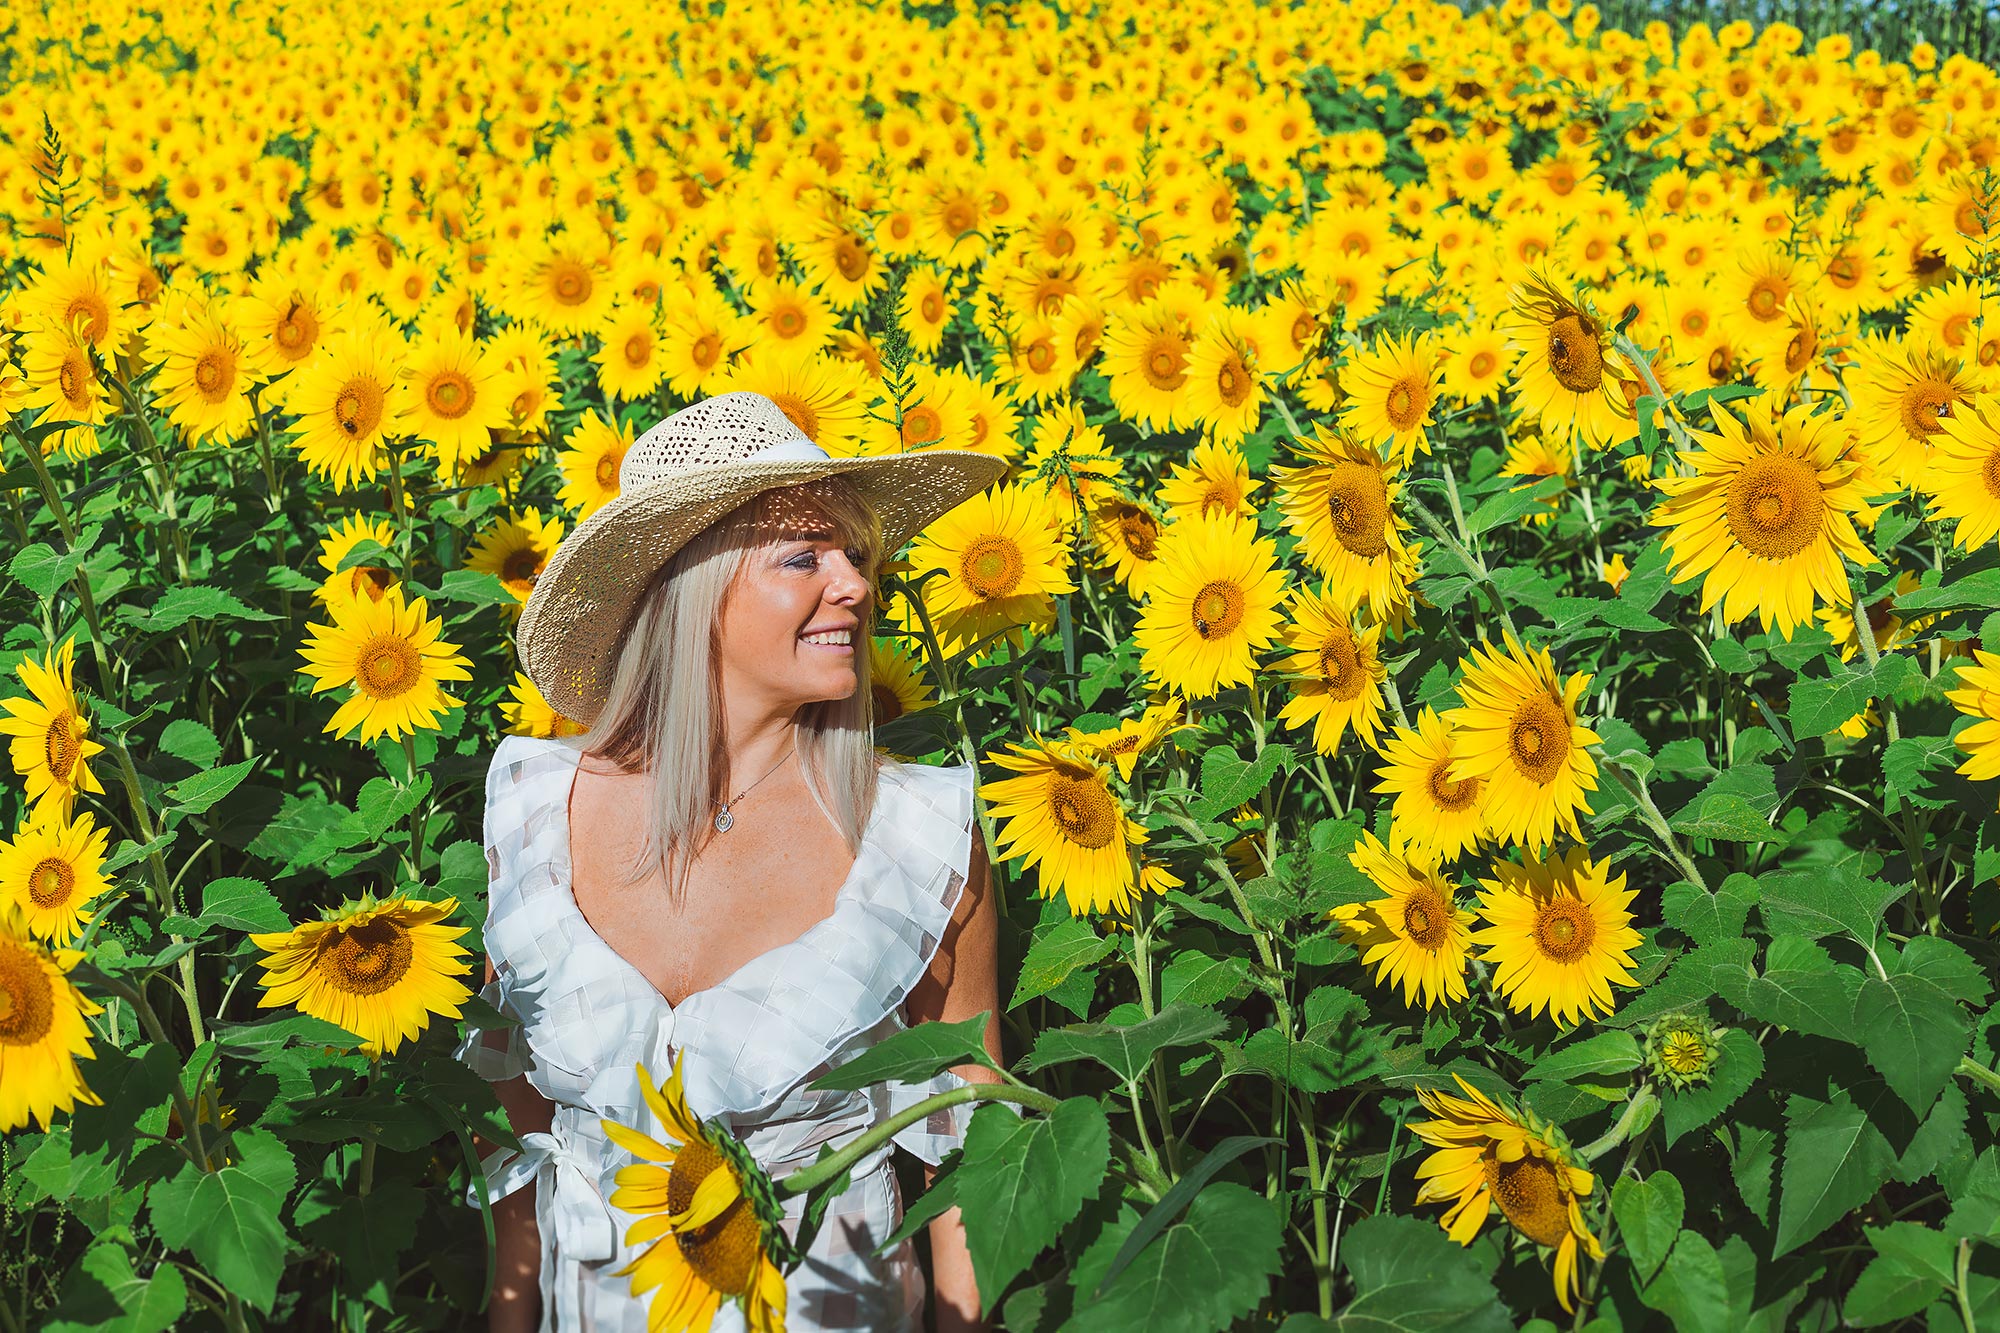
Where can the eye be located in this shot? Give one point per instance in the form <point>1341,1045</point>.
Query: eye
<point>804,560</point>
<point>857,557</point>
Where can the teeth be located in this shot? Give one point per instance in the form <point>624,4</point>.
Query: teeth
<point>831,636</point>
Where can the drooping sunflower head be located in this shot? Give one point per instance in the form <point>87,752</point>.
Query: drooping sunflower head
<point>1415,934</point>
<point>1127,742</point>
<point>50,872</point>
<point>1559,934</point>
<point>1518,735</point>
<point>1062,814</point>
<point>1126,535</point>
<point>42,1028</point>
<point>896,680</point>
<point>49,741</point>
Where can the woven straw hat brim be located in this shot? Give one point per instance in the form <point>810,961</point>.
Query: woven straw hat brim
<point>568,633</point>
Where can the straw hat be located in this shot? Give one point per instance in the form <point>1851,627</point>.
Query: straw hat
<point>676,479</point>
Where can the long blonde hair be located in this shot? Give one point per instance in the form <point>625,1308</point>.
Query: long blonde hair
<point>663,714</point>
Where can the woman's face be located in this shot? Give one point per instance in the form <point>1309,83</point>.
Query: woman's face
<point>797,613</point>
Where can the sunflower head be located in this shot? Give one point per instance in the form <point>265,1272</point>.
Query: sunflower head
<point>1061,813</point>
<point>42,1028</point>
<point>379,968</point>
<point>1683,1049</point>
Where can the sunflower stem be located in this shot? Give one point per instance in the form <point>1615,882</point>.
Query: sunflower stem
<point>1640,362</point>
<point>1481,577</point>
<point>835,1164</point>
<point>86,602</point>
<point>1635,786</point>
<point>149,1021</point>
<point>1639,1114</point>
<point>1978,1073</point>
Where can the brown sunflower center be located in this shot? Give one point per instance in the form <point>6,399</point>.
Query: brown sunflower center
<point>1340,668</point>
<point>1041,356</point>
<point>707,350</point>
<point>59,747</point>
<point>1165,362</point>
<point>1530,1197</point>
<point>449,395</point>
<point>1481,364</point>
<point>51,881</point>
<point>788,321</point>
<point>214,372</point>
<point>931,307</point>
<point>1989,472</point>
<point>1774,506</point>
<point>94,311</point>
<point>922,425</point>
<point>638,350</point>
<point>520,568</point>
<point>1083,810</point>
<point>389,665</point>
<point>1232,382</point>
<point>570,283</point>
<point>1409,398</point>
<point>366,959</point>
<point>1767,299</point>
<point>27,999</point>
<point>73,377</point>
<point>1800,351</point>
<point>1357,503</point>
<point>1925,403</point>
<point>369,581</point>
<point>1141,534</point>
<point>800,412</point>
<point>296,331</point>
<point>606,471</point>
<point>1217,609</point>
<point>1449,793</point>
<point>992,566</point>
<point>1426,919</point>
<point>887,706</point>
<point>724,1253</point>
<point>851,257</point>
<point>1538,738</point>
<point>1576,356</point>
<point>1564,929</point>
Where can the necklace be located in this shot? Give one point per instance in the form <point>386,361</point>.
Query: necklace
<point>724,820</point>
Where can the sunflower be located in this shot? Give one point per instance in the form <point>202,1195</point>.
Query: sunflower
<point>564,285</point>
<point>42,1029</point>
<point>63,381</point>
<point>1070,461</point>
<point>392,657</point>
<point>1445,816</point>
<point>1566,376</point>
<point>1890,631</point>
<point>1391,390</point>
<point>1126,536</point>
<point>1476,365</point>
<point>1146,359</point>
<point>452,398</point>
<point>516,549</point>
<point>347,404</point>
<point>50,745</point>
<point>1062,815</point>
<point>1125,743</point>
<point>925,308</point>
<point>285,321</point>
<point>1903,395</point>
<point>1962,481</point>
<point>709,1218</point>
<point>1212,604</point>
<point>1415,935</point>
<point>826,397</point>
<point>1487,1157</point>
<point>1002,560</point>
<point>792,317</point>
<point>1979,697</point>
<point>378,969</point>
<point>590,463</point>
<point>77,293</point>
<point>50,871</point>
<point>1518,734</point>
<point>1335,672</point>
<point>204,376</point>
<point>1215,480</point>
<point>628,360</point>
<point>896,681</point>
<point>1342,504</point>
<point>359,580</point>
<point>1558,935</point>
<point>1766,515</point>
<point>702,333</point>
<point>1225,376</point>
<point>528,713</point>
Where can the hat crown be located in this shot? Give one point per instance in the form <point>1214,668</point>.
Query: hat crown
<point>727,428</point>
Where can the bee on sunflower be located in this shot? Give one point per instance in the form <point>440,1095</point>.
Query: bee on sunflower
<point>1212,605</point>
<point>1566,375</point>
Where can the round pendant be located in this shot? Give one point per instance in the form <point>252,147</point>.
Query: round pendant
<point>723,819</point>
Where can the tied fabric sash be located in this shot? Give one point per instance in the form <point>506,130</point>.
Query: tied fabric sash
<point>575,1223</point>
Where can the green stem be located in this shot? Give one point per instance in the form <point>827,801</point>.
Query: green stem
<point>1657,822</point>
<point>1643,1106</point>
<point>831,1167</point>
<point>142,1008</point>
<point>162,885</point>
<point>1638,360</point>
<point>1959,1291</point>
<point>1980,1074</point>
<point>1481,578</point>
<point>1322,1234</point>
<point>86,601</point>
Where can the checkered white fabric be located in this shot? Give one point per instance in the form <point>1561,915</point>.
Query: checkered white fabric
<point>749,1044</point>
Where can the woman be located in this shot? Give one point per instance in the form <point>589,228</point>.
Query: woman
<point>721,869</point>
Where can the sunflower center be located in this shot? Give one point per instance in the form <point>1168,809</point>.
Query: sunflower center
<point>449,395</point>
<point>788,322</point>
<point>607,470</point>
<point>571,283</point>
<point>724,1253</point>
<point>1409,399</point>
<point>1165,365</point>
<point>213,374</point>
<point>1141,534</point>
<point>1774,506</point>
<point>357,408</point>
<point>296,331</point>
<point>1041,356</point>
<point>1426,919</point>
<point>1340,667</point>
<point>1449,793</point>
<point>388,666</point>
<point>366,959</point>
<point>520,568</point>
<point>95,313</point>
<point>800,412</point>
<point>74,379</point>
<point>1925,403</point>
<point>992,566</point>
<point>638,350</point>
<point>1217,610</point>
<point>51,881</point>
<point>1767,299</point>
<point>1799,352</point>
<point>921,424</point>
<point>1530,1197</point>
<point>1538,737</point>
<point>1232,382</point>
<point>707,350</point>
<point>887,706</point>
<point>931,308</point>
<point>27,1000</point>
<point>1083,810</point>
<point>850,256</point>
<point>369,581</point>
<point>1482,363</point>
<point>1564,929</point>
<point>59,747</point>
<point>1576,358</point>
<point>1357,501</point>
<point>1989,472</point>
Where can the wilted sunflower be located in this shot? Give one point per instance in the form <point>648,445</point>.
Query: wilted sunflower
<point>1567,376</point>
<point>347,404</point>
<point>378,969</point>
<point>1341,502</point>
<point>529,713</point>
<point>50,871</point>
<point>1766,516</point>
<point>1062,815</point>
<point>1002,558</point>
<point>516,549</point>
<point>42,1028</point>
<point>1126,535</point>
<point>394,659</point>
<point>1444,815</point>
<point>1212,604</point>
<point>1559,935</point>
<point>1487,1157</point>
<point>50,743</point>
<point>710,1218</point>
<point>1215,480</point>
<point>1962,480</point>
<point>590,463</point>
<point>1334,671</point>
<point>1391,389</point>
<point>1518,735</point>
<point>1126,742</point>
<point>1978,696</point>
<point>896,682</point>
<point>359,580</point>
<point>1415,935</point>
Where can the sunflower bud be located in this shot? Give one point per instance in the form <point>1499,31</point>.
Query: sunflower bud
<point>1682,1050</point>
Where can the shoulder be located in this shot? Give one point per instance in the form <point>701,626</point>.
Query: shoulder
<point>519,760</point>
<point>946,788</point>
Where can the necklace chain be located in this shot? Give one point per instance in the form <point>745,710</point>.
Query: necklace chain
<point>724,819</point>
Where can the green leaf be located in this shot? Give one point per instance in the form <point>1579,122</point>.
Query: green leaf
<point>237,903</point>
<point>183,603</point>
<point>105,1294</point>
<point>1515,502</point>
<point>384,803</point>
<point>261,1041</point>
<point>194,795</point>
<point>1912,1034</point>
<point>1707,918</point>
<point>473,587</point>
<point>1690,1287</point>
<point>1819,706</point>
<point>912,1055</point>
<point>1030,1177</point>
<point>1198,978</point>
<point>1905,764</point>
<point>1802,989</point>
<point>41,571</point>
<point>184,738</point>
<point>1175,1201</point>
<point>1737,1067</point>
<point>367,1235</point>
<point>1835,1160</point>
<point>1649,1214</point>
<point>229,1218</point>
<point>1913,1266</point>
<point>1201,1275</point>
<point>1980,590</point>
<point>1736,806</point>
<point>1124,1049</point>
<point>1058,951</point>
<point>1409,1277</point>
<point>1826,900</point>
<point>1605,1053</point>
<point>1228,780</point>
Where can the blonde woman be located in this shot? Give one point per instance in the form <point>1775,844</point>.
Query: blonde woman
<point>721,869</point>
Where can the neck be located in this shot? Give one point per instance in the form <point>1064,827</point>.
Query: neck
<point>757,743</point>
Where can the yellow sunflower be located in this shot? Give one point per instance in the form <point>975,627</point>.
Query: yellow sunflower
<point>1558,935</point>
<point>709,1218</point>
<point>1518,735</point>
<point>1962,481</point>
<point>1126,536</point>
<point>1567,376</point>
<point>590,463</point>
<point>1978,696</point>
<point>528,713</point>
<point>1391,389</point>
<point>49,871</point>
<point>516,549</point>
<point>629,360</point>
<point>1415,935</point>
<point>1445,816</point>
<point>453,398</point>
<point>1146,360</point>
<point>1486,1157</point>
<point>1002,560</point>
<point>1341,503</point>
<point>393,658</point>
<point>792,317</point>
<point>49,742</point>
<point>702,332</point>
<point>565,285</point>
<point>42,1029</point>
<point>1215,480</point>
<point>361,580</point>
<point>825,397</point>
<point>896,683</point>
<point>1212,605</point>
<point>1476,364</point>
<point>378,969</point>
<point>1070,461</point>
<point>1125,743</point>
<point>285,321</point>
<point>63,381</point>
<point>1335,671</point>
<point>204,377</point>
<point>347,404</point>
<point>1766,515</point>
<point>1060,814</point>
<point>1903,395</point>
<point>1225,389</point>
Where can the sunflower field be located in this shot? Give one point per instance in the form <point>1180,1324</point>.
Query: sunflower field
<point>1478,669</point>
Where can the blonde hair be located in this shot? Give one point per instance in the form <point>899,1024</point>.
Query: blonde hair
<point>663,713</point>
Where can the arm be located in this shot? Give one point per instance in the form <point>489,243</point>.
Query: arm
<point>962,983</point>
<point>515,1306</point>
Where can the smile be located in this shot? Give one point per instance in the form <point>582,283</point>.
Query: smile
<point>832,638</point>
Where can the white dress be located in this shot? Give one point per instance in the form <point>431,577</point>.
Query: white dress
<point>749,1044</point>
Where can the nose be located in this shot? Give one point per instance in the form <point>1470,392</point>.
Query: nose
<point>845,585</point>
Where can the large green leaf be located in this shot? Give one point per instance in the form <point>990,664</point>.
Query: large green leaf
<point>1819,705</point>
<point>1826,900</point>
<point>1202,1274</point>
<point>1912,1034</point>
<point>1021,1179</point>
<point>1802,989</point>
<point>1605,1053</point>
<point>1690,1288</point>
<point>1125,1049</point>
<point>1649,1214</point>
<point>1228,780</point>
<point>105,1294</point>
<point>1707,918</point>
<point>229,1218</point>
<point>1835,1160</point>
<point>1176,1200</point>
<point>366,1235</point>
<point>1409,1277</point>
<point>1913,1265</point>
<point>912,1055</point>
<point>1058,951</point>
<point>237,903</point>
<point>195,795</point>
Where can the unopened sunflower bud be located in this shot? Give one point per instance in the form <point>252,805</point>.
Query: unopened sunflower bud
<point>1683,1049</point>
